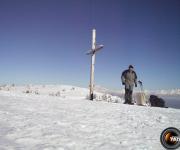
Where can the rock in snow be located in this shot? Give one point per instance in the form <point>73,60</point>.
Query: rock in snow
<point>60,117</point>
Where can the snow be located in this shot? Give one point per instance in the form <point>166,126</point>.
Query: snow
<point>59,117</point>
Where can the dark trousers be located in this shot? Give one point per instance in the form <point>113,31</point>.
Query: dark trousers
<point>128,96</point>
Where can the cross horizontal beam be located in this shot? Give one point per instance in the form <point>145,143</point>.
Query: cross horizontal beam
<point>97,48</point>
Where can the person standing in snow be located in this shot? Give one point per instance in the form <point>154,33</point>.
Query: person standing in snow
<point>129,79</point>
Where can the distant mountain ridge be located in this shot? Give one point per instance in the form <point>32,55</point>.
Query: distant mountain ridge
<point>148,92</point>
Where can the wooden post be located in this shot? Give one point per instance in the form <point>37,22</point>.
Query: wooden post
<point>92,52</point>
<point>92,64</point>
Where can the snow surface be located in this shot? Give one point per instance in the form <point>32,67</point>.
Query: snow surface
<point>50,117</point>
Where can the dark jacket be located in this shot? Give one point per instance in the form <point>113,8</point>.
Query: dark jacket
<point>129,78</point>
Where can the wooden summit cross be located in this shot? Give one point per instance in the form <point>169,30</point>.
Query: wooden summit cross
<point>92,52</point>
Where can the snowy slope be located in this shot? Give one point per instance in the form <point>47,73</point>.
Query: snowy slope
<point>43,119</point>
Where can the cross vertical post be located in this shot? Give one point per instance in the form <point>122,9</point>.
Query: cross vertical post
<point>92,52</point>
<point>92,64</point>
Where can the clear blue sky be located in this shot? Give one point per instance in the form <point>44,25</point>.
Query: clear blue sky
<point>44,41</point>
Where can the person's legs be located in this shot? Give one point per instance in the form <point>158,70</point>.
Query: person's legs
<point>126,96</point>
<point>130,96</point>
<point>131,93</point>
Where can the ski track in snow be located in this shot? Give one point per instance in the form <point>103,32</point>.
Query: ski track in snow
<point>42,122</point>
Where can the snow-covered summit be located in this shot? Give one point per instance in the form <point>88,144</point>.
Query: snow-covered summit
<point>59,117</point>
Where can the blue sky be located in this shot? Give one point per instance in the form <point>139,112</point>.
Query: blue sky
<point>45,41</point>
